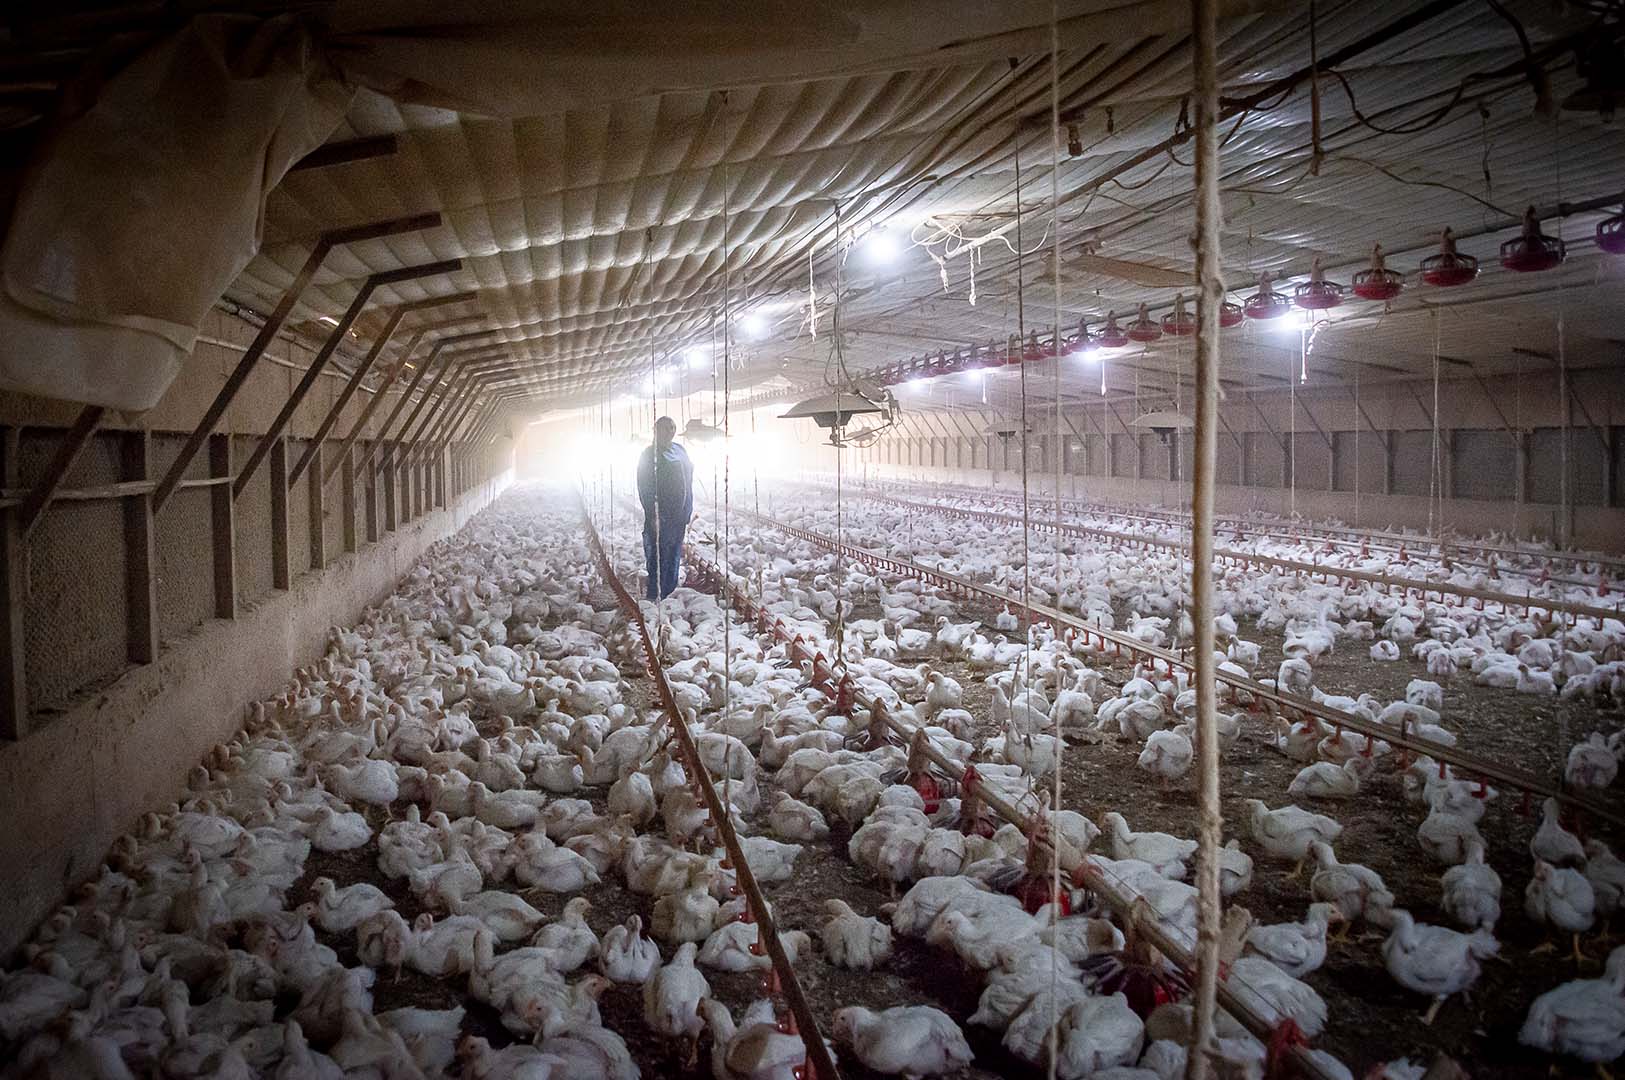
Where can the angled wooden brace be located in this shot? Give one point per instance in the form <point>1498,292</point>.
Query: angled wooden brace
<point>387,277</point>
<point>67,452</point>
<point>273,323</point>
<point>402,363</point>
<point>425,366</point>
<point>365,366</point>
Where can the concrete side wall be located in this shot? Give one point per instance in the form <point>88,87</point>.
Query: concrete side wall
<point>86,776</point>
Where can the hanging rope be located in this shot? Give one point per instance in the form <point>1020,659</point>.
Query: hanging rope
<point>1435,476</point>
<point>1059,448</point>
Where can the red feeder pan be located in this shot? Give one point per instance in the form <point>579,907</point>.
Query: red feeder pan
<point>1111,335</point>
<point>1449,267</point>
<point>1084,341</point>
<point>1179,323</point>
<point>1144,329</point>
<point>1611,234</point>
<point>1231,314</point>
<point>1317,294</point>
<point>1379,282</point>
<point>1266,303</point>
<point>1534,251</point>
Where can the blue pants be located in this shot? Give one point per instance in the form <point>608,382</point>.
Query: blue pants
<point>670,554</point>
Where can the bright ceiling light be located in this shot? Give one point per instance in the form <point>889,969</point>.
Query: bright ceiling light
<point>916,384</point>
<point>753,325</point>
<point>697,356</point>
<point>881,246</point>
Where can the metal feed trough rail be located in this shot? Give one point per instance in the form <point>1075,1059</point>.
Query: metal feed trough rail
<point>1488,556</point>
<point>1445,593</point>
<point>831,677</point>
<point>782,975</point>
<point>1285,706</point>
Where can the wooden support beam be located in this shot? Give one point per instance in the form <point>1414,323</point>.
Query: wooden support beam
<point>387,471</point>
<point>318,514</point>
<point>342,153</point>
<point>369,487</point>
<point>67,452</point>
<point>268,332</point>
<point>13,589</point>
<point>223,525</point>
<point>281,564</point>
<point>319,362</point>
<point>347,495</point>
<point>140,553</point>
<point>365,366</point>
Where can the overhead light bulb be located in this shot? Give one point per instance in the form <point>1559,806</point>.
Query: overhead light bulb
<point>697,357</point>
<point>916,384</point>
<point>881,245</point>
<point>753,325</point>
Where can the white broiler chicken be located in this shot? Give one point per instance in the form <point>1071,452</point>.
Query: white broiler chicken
<point>794,820</point>
<point>755,1048</point>
<point>339,911</point>
<point>908,1040</point>
<point>1434,960</point>
<point>1584,1018</point>
<point>1166,853</point>
<point>1472,892</point>
<point>1591,764</point>
<point>1358,891</point>
<point>1277,996</point>
<point>1324,780</point>
<point>625,955</point>
<point>1552,842</point>
<point>1296,948</point>
<point>1288,832</point>
<point>672,996</point>
<point>854,941</point>
<point>1167,755</point>
<point>1560,897</point>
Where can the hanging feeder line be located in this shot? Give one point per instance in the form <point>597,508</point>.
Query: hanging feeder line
<point>801,1019</point>
<point>1357,539</point>
<point>1284,706</point>
<point>1443,592</point>
<point>831,678</point>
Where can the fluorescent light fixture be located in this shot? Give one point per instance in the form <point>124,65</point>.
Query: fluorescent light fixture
<point>328,319</point>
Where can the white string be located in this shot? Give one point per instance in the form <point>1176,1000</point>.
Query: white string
<point>1059,450</point>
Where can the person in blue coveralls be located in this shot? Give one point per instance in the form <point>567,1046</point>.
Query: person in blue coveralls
<point>666,489</point>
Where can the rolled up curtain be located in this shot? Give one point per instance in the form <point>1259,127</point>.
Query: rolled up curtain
<point>139,210</point>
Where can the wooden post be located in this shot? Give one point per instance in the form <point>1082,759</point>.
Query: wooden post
<point>140,552</point>
<point>369,486</point>
<point>347,493</point>
<point>13,588</point>
<point>318,511</point>
<point>223,521</point>
<point>1210,292</point>
<point>392,509</point>
<point>281,566</point>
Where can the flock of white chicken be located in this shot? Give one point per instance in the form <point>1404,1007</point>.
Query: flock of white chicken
<point>475,739</point>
